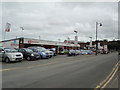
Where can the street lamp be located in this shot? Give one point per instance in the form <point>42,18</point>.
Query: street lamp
<point>39,37</point>
<point>22,30</point>
<point>58,45</point>
<point>76,39</point>
<point>90,42</point>
<point>96,35</point>
<point>76,32</point>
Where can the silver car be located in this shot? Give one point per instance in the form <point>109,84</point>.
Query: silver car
<point>10,54</point>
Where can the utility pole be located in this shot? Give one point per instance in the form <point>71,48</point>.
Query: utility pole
<point>90,42</point>
<point>39,37</point>
<point>22,31</point>
<point>7,29</point>
<point>76,37</point>
<point>96,36</point>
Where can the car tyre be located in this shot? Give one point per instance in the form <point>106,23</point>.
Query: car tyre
<point>28,58</point>
<point>7,60</point>
<point>40,57</point>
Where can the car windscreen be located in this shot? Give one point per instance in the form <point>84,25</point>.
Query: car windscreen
<point>43,49</point>
<point>10,50</point>
<point>72,51</point>
<point>38,49</point>
<point>28,50</point>
<point>34,50</point>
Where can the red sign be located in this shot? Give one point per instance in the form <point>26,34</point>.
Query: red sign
<point>30,41</point>
<point>12,44</point>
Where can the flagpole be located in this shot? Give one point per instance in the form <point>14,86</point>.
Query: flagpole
<point>7,29</point>
<point>4,35</point>
<point>22,31</point>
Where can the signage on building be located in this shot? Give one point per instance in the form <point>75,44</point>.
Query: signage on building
<point>11,44</point>
<point>31,41</point>
<point>105,47</point>
<point>45,42</point>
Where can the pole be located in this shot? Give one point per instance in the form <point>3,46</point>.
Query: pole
<point>22,30</point>
<point>58,46</point>
<point>39,37</point>
<point>96,38</point>
<point>4,35</point>
<point>90,43</point>
<point>7,29</point>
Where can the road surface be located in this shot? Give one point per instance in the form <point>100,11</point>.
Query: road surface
<point>83,71</point>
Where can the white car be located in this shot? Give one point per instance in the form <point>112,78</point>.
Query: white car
<point>50,53</point>
<point>10,54</point>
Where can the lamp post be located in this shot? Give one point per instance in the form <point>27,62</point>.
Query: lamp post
<point>22,30</point>
<point>39,37</point>
<point>58,45</point>
<point>90,42</point>
<point>96,36</point>
<point>76,39</point>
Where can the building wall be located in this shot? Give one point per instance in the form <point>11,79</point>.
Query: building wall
<point>11,44</point>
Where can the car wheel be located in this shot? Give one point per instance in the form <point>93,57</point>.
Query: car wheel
<point>40,57</point>
<point>7,60</point>
<point>28,58</point>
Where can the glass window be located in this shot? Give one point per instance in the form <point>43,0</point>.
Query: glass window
<point>10,50</point>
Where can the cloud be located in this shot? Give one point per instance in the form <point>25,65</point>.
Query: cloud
<point>53,20</point>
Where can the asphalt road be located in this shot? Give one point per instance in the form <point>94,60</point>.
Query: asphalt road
<point>85,71</point>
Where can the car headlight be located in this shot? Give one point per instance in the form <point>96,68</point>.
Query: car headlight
<point>32,54</point>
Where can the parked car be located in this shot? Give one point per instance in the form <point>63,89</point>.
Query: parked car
<point>71,53</point>
<point>63,52</point>
<point>104,52</point>
<point>89,52</point>
<point>100,52</point>
<point>28,54</point>
<point>10,54</point>
<point>77,52</point>
<point>53,50</point>
<point>83,52</point>
<point>44,53</point>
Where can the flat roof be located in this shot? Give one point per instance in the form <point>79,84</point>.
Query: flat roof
<point>42,42</point>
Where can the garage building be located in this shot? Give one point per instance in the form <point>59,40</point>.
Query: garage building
<point>27,42</point>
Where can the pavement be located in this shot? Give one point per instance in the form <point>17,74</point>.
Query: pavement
<point>83,71</point>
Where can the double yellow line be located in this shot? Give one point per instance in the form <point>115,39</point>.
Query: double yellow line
<point>104,83</point>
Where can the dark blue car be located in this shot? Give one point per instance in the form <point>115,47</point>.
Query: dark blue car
<point>40,52</point>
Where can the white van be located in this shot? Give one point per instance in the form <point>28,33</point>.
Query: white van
<point>10,54</point>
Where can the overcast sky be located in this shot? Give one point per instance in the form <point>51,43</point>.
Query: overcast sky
<point>58,20</point>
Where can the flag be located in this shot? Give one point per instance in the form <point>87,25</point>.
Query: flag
<point>7,27</point>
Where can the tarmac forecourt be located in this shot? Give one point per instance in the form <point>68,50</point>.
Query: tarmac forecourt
<point>109,78</point>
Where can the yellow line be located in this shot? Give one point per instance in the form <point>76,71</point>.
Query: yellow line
<point>108,77</point>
